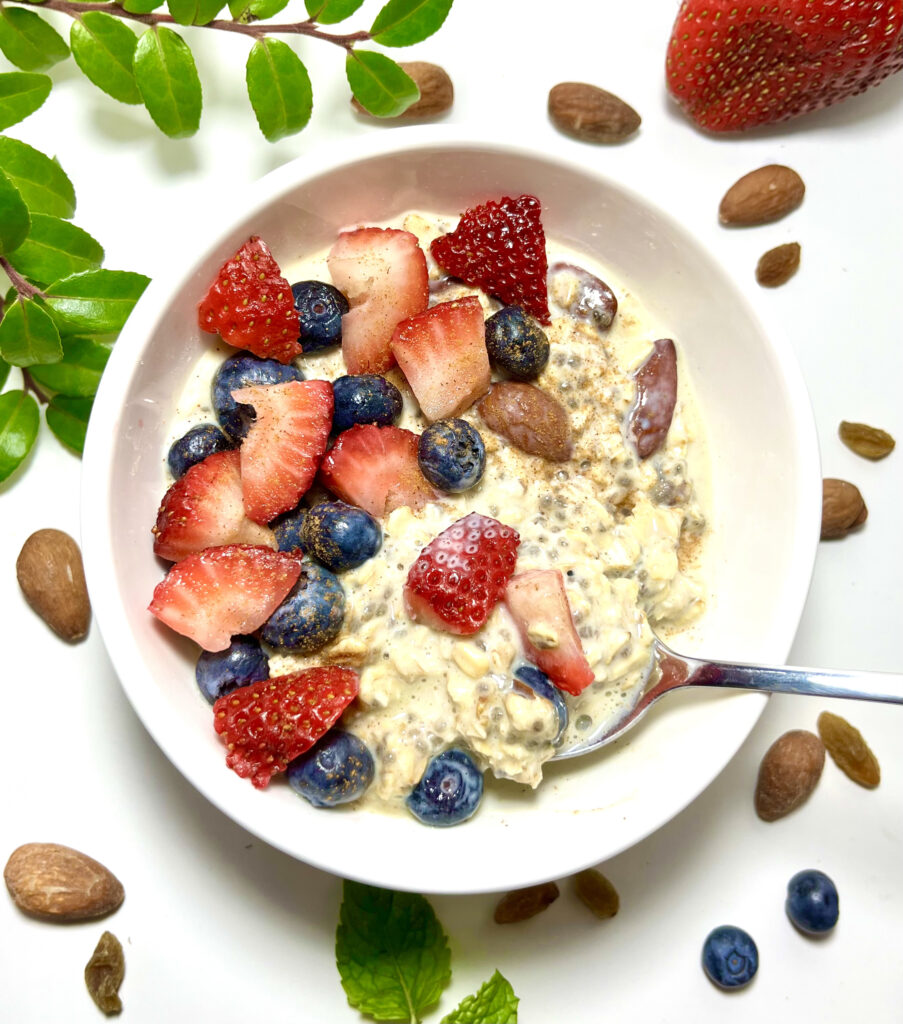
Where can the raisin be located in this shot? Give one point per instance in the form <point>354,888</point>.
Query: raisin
<point>869,442</point>
<point>104,973</point>
<point>849,750</point>
<point>522,904</point>
<point>595,890</point>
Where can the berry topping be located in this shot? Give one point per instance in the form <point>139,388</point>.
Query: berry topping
<point>452,455</point>
<point>250,305</point>
<point>366,398</point>
<point>730,957</point>
<point>516,343</point>
<point>311,615</point>
<point>449,791</point>
<point>461,575</point>
<point>336,771</point>
<point>812,903</point>
<point>241,663</point>
<point>320,309</point>
<point>245,371</point>
<point>501,248</point>
<point>287,529</point>
<point>529,679</point>
<point>340,536</point>
<point>194,446</point>
<point>270,723</point>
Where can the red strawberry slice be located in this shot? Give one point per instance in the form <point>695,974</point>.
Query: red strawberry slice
<point>382,272</point>
<point>267,724</point>
<point>461,575</point>
<point>222,592</point>
<point>251,305</point>
<point>283,448</point>
<point>733,66</point>
<point>442,353</point>
<point>539,605</point>
<point>501,248</point>
<point>377,469</point>
<point>204,509</point>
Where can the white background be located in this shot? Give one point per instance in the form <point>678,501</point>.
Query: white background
<point>217,926</point>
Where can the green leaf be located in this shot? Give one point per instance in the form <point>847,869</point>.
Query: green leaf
<point>96,302</point>
<point>249,10</point>
<point>142,6</point>
<point>391,952</point>
<point>14,219</point>
<point>41,182</point>
<point>195,12</point>
<point>279,89</point>
<point>495,1001</point>
<point>19,421</point>
<point>68,419</point>
<point>78,373</point>
<point>379,84</point>
<point>20,95</point>
<point>28,41</point>
<point>169,83</point>
<point>328,12</point>
<point>55,248</point>
<point>28,335</point>
<point>404,22</point>
<point>104,49</point>
<point>4,371</point>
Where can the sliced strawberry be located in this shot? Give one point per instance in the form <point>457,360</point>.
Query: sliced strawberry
<point>267,724</point>
<point>251,305</point>
<point>280,455</point>
<point>442,353</point>
<point>539,605</point>
<point>222,592</point>
<point>377,469</point>
<point>501,248</point>
<point>382,271</point>
<point>461,575</point>
<point>204,509</point>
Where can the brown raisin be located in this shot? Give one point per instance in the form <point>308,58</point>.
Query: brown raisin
<point>849,750</point>
<point>522,904</point>
<point>869,442</point>
<point>104,973</point>
<point>597,892</point>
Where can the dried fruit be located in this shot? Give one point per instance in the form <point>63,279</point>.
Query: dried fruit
<point>104,973</point>
<point>50,572</point>
<point>591,114</point>
<point>789,771</point>
<point>842,508</point>
<point>57,883</point>
<point>522,904</point>
<point>583,295</point>
<point>849,750</point>
<point>761,196</point>
<point>437,93</point>
<point>869,442</point>
<point>597,892</point>
<point>529,418</point>
<point>778,265</point>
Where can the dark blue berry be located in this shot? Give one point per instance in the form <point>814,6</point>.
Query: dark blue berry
<point>451,455</point>
<point>536,681</point>
<point>311,615</point>
<point>241,371</point>
<point>289,527</point>
<point>516,343</point>
<point>194,446</point>
<point>220,672</point>
<point>812,903</point>
<point>320,310</point>
<point>341,536</point>
<point>730,957</point>
<point>449,791</point>
<point>364,398</point>
<point>335,771</point>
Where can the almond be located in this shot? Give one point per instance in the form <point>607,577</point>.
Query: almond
<point>789,771</point>
<point>437,93</point>
<point>530,418</point>
<point>842,508</point>
<point>762,196</point>
<point>778,265</point>
<point>50,572</point>
<point>591,114</point>
<point>57,883</point>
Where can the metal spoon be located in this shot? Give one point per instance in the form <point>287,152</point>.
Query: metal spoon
<point>670,671</point>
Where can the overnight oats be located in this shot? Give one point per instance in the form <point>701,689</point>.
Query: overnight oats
<point>425,507</point>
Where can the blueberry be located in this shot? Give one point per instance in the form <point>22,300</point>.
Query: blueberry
<point>220,672</point>
<point>365,398</point>
<point>335,771</point>
<point>516,343</point>
<point>289,528</point>
<point>812,903</point>
<point>730,957</point>
<point>194,446</point>
<point>320,310</point>
<point>449,791</point>
<point>311,615</point>
<point>240,371</point>
<point>538,682</point>
<point>341,536</point>
<point>451,455</point>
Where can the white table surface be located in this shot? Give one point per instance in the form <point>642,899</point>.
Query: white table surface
<point>216,925</point>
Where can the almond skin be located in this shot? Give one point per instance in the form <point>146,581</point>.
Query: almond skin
<point>437,93</point>
<point>762,196</point>
<point>50,572</point>
<point>842,508</point>
<point>57,883</point>
<point>530,418</point>
<point>591,114</point>
<point>778,265</point>
<point>789,771</point>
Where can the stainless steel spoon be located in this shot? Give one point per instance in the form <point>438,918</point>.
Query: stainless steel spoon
<point>670,671</point>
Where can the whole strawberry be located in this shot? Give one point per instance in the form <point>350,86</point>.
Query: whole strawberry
<point>734,66</point>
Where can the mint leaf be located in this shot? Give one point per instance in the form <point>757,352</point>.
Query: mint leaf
<point>495,1001</point>
<point>4,371</point>
<point>168,81</point>
<point>279,89</point>
<point>41,182</point>
<point>247,10</point>
<point>104,49</point>
<point>391,952</point>
<point>28,335</point>
<point>78,373</point>
<point>28,41</point>
<point>404,22</point>
<point>96,302</point>
<point>14,219</point>
<point>55,248</point>
<point>195,12</point>
<point>68,419</point>
<point>19,421</point>
<point>20,95</point>
<point>142,6</point>
<point>379,84</point>
<point>328,12</point>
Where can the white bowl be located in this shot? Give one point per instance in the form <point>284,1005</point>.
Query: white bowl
<point>766,509</point>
